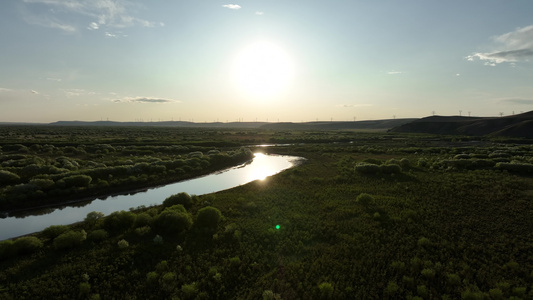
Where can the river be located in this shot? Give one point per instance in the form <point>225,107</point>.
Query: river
<point>262,166</point>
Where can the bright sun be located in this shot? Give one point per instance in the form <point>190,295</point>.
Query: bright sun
<point>262,70</point>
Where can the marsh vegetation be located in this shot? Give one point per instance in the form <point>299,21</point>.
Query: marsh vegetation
<point>370,215</point>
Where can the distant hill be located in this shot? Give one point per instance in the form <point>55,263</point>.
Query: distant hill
<point>163,123</point>
<point>358,125</point>
<point>519,126</point>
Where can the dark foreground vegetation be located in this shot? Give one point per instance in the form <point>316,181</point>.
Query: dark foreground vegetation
<point>373,216</point>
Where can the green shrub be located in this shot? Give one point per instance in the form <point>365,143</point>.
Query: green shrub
<point>7,249</point>
<point>27,244</point>
<point>177,208</point>
<point>97,235</point>
<point>423,163</point>
<point>268,295</point>
<point>123,244</point>
<point>364,199</point>
<point>422,291</point>
<point>235,261</point>
<point>42,183</point>
<point>142,230</point>
<point>76,181</point>
<point>390,169</point>
<point>424,242</point>
<point>325,290</point>
<point>84,288</point>
<point>70,239</point>
<point>366,168</point>
<point>53,231</point>
<point>405,163</point>
<point>93,216</point>
<point>392,288</point>
<point>195,154</point>
<point>120,221</point>
<point>472,295</point>
<point>428,273</point>
<point>496,294</point>
<point>208,217</point>
<point>180,198</point>
<point>158,240</point>
<point>515,167</point>
<point>454,279</point>
<point>169,281</point>
<point>189,290</point>
<point>173,221</point>
<point>372,161</point>
<point>143,219</point>
<point>519,291</point>
<point>152,277</point>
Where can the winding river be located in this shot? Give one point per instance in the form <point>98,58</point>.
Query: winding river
<point>262,166</point>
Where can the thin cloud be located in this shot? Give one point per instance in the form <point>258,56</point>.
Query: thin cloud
<point>144,100</point>
<point>259,13</point>
<point>74,92</point>
<point>515,46</point>
<point>49,22</point>
<point>503,56</point>
<point>519,101</point>
<point>232,6</point>
<point>394,72</point>
<point>93,26</point>
<point>3,90</point>
<point>353,105</point>
<point>34,92</point>
<point>104,13</point>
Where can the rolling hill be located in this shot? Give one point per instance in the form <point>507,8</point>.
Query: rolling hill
<point>518,126</point>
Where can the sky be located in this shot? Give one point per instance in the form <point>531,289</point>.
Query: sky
<point>263,60</point>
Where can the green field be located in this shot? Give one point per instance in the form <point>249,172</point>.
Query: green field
<point>370,215</point>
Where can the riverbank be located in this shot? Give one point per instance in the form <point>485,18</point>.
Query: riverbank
<point>45,184</point>
<point>32,221</point>
<point>111,192</point>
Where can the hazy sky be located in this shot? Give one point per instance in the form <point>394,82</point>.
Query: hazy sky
<point>286,60</point>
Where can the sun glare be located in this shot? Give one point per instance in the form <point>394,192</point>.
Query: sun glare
<point>262,70</point>
<point>263,169</point>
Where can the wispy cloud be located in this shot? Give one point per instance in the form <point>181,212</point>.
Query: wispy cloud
<point>259,13</point>
<point>232,6</point>
<point>394,72</point>
<point>93,26</point>
<point>143,100</point>
<point>353,105</point>
<point>3,90</point>
<point>519,101</point>
<point>34,92</point>
<point>69,93</point>
<point>514,46</point>
<point>100,13</point>
<point>50,22</point>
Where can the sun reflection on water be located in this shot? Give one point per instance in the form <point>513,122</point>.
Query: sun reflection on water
<point>263,169</point>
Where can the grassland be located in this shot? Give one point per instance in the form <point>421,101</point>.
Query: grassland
<point>369,216</point>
